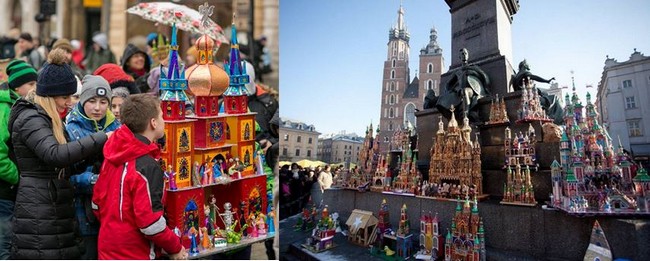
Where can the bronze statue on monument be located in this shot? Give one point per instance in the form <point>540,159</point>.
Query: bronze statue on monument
<point>549,103</point>
<point>466,86</point>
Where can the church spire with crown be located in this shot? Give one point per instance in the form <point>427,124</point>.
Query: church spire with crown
<point>432,47</point>
<point>400,17</point>
<point>399,30</point>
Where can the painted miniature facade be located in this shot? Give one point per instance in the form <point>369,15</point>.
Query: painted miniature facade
<point>404,227</point>
<point>531,108</point>
<point>383,223</point>
<point>322,237</point>
<point>307,220</point>
<point>408,177</point>
<point>466,240</point>
<point>404,237</point>
<point>642,189</point>
<point>431,241</point>
<point>520,160</point>
<point>369,154</point>
<point>498,112</point>
<point>455,168</point>
<point>598,246</point>
<point>381,180</point>
<point>204,151</point>
<point>594,179</point>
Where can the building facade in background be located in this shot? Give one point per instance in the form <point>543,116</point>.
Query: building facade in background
<point>624,103</point>
<point>340,148</point>
<point>400,95</point>
<point>298,141</point>
<point>557,91</point>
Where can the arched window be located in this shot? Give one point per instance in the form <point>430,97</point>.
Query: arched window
<point>390,113</point>
<point>392,74</point>
<point>392,86</point>
<point>390,127</point>
<point>430,68</point>
<point>429,84</point>
<point>392,99</point>
<point>409,113</point>
<point>393,62</point>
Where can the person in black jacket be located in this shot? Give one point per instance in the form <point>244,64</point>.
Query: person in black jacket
<point>44,214</point>
<point>136,63</point>
<point>263,101</point>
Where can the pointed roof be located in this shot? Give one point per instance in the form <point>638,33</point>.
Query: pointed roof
<point>400,18</point>
<point>173,83</point>
<point>555,164</point>
<point>570,177</point>
<point>598,245</point>
<point>641,175</point>
<point>236,68</point>
<point>398,31</point>
<point>412,90</point>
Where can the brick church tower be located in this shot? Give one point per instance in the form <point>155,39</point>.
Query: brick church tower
<point>401,96</point>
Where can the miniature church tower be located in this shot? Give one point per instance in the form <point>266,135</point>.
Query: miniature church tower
<point>642,189</point>
<point>173,85</point>
<point>206,80</point>
<point>467,230</point>
<point>236,97</point>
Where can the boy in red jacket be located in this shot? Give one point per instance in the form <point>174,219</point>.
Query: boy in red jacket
<point>129,195</point>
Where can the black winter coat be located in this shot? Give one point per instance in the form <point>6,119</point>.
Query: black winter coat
<point>44,225</point>
<point>140,81</point>
<point>265,106</point>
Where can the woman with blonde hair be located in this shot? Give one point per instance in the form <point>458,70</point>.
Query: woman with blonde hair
<point>44,212</point>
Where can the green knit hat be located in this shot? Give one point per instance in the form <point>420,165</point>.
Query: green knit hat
<point>19,73</point>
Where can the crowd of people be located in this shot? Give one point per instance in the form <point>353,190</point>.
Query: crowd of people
<point>304,187</point>
<point>75,127</point>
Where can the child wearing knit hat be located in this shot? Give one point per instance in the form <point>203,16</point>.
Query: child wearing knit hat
<point>21,77</point>
<point>116,77</point>
<point>91,115</point>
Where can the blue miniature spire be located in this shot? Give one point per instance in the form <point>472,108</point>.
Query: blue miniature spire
<point>173,84</point>
<point>236,68</point>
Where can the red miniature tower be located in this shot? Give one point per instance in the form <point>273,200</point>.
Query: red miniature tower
<point>384,220</point>
<point>240,127</point>
<point>177,148</point>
